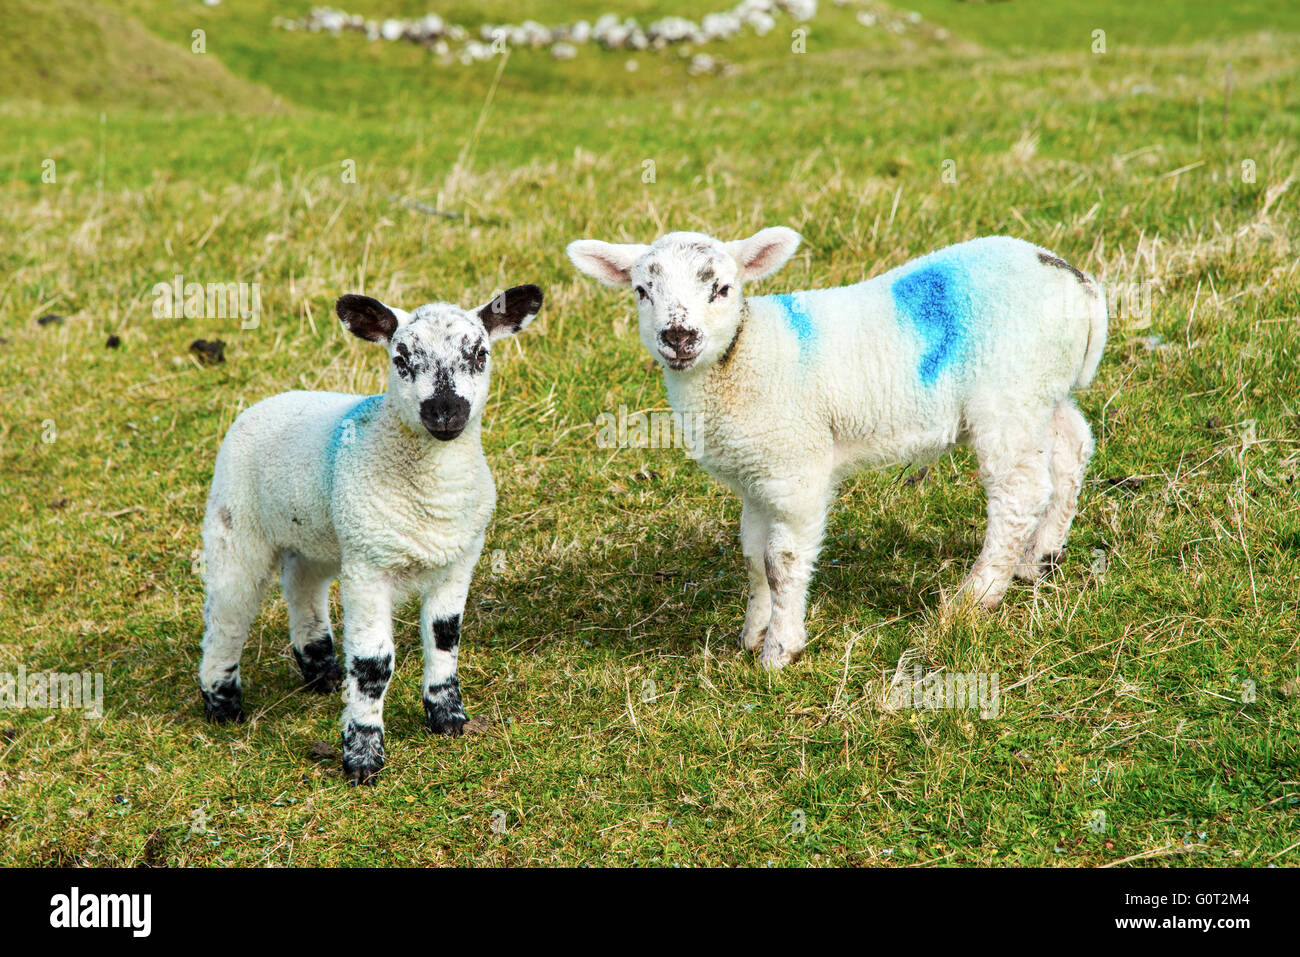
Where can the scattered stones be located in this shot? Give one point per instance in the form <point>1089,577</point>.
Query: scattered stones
<point>702,64</point>
<point>209,353</point>
<point>875,15</point>
<point>49,318</point>
<point>609,30</point>
<point>113,341</point>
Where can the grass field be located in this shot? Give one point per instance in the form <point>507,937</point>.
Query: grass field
<point>1153,679</point>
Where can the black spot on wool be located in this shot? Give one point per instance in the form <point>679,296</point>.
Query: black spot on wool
<point>1049,260</point>
<point>320,668</point>
<point>372,674</point>
<point>446,633</point>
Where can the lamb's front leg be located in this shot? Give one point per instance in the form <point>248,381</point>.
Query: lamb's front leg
<point>793,542</point>
<point>753,543</point>
<point>440,617</point>
<point>368,653</point>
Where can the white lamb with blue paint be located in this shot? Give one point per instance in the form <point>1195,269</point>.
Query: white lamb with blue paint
<point>980,343</point>
<point>390,494</point>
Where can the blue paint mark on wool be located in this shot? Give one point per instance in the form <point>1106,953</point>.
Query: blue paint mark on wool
<point>345,432</point>
<point>796,315</point>
<point>935,299</point>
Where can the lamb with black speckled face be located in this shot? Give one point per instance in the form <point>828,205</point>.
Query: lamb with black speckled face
<point>390,494</point>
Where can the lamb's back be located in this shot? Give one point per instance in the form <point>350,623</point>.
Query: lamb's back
<point>275,465</point>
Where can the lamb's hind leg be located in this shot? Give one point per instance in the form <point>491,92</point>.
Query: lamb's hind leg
<point>237,569</point>
<point>753,543</point>
<point>1072,448</point>
<point>1017,480</point>
<point>306,587</point>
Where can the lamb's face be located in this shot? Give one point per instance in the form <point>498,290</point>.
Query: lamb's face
<point>440,354</point>
<point>688,304</point>
<point>439,369</point>
<point>687,287</point>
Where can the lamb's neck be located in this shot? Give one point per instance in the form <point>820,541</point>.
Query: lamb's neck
<point>420,448</point>
<point>698,389</point>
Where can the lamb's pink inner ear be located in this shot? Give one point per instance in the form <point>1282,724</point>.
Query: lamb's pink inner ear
<point>766,251</point>
<point>611,263</point>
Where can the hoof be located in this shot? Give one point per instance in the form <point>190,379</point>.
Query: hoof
<point>328,681</point>
<point>972,597</point>
<point>363,753</point>
<point>320,669</point>
<point>363,770</point>
<point>443,711</point>
<point>224,704</point>
<point>753,640</point>
<point>1039,568</point>
<point>776,655</point>
<point>1052,561</point>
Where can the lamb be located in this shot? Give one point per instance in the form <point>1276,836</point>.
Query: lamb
<point>979,343</point>
<point>390,494</point>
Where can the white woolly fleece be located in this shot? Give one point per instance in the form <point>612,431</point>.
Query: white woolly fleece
<point>390,494</point>
<point>979,343</point>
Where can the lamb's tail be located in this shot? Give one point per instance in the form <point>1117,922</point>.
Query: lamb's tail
<point>1086,292</point>
<point>1098,323</point>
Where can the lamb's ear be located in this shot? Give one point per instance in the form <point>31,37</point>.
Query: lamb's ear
<point>367,318</point>
<point>509,312</point>
<point>611,263</point>
<point>764,252</point>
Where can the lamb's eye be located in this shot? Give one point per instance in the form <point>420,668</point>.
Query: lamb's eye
<point>723,292</point>
<point>641,293</point>
<point>480,360</point>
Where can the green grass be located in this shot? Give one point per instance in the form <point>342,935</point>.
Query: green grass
<point>621,568</point>
<point>67,52</point>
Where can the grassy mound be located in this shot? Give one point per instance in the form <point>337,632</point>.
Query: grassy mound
<point>58,52</point>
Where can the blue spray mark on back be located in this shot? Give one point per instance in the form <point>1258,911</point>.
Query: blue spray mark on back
<point>935,299</point>
<point>796,315</point>
<point>349,424</point>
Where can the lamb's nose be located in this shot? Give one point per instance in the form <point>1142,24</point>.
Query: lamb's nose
<point>445,415</point>
<point>679,339</point>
